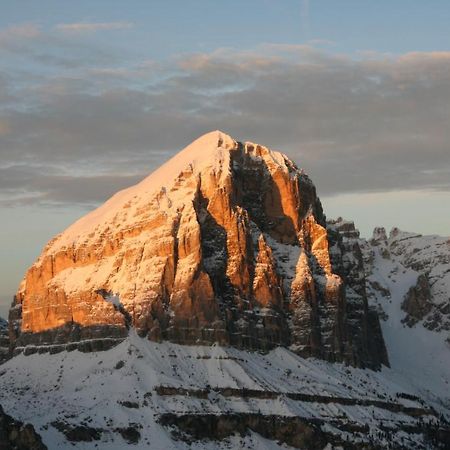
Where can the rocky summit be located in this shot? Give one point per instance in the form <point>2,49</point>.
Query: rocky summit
<point>225,243</point>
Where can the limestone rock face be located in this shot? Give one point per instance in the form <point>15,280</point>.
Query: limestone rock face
<point>226,242</point>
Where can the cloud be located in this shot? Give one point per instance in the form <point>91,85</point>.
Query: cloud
<point>93,27</point>
<point>15,36</point>
<point>21,31</point>
<point>363,123</point>
<point>321,42</point>
<point>28,186</point>
<point>28,49</point>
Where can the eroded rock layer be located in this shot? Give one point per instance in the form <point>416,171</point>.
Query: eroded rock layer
<point>227,243</point>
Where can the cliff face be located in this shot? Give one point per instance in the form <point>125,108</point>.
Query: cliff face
<point>225,243</point>
<point>363,325</point>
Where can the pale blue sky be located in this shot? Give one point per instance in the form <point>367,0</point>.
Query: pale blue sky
<point>164,27</point>
<point>96,94</point>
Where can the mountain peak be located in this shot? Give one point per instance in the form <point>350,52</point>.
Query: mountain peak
<point>208,153</point>
<point>201,148</point>
<point>216,137</point>
<point>208,150</point>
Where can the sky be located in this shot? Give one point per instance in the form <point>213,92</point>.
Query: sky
<point>94,95</point>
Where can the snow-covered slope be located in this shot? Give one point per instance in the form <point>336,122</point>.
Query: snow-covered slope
<point>167,396</point>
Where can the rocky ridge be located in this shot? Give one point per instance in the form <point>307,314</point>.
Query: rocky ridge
<point>226,243</point>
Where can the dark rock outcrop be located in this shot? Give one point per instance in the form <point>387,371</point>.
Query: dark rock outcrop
<point>15,435</point>
<point>4,341</point>
<point>78,433</point>
<point>417,303</point>
<point>297,432</point>
<point>293,431</point>
<point>363,326</point>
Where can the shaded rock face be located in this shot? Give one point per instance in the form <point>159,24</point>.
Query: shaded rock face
<point>15,435</point>
<point>4,341</point>
<point>363,329</point>
<point>225,243</point>
<point>417,303</point>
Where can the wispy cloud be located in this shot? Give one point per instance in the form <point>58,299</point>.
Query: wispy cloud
<point>92,27</point>
<point>321,42</point>
<point>26,30</point>
<point>10,36</point>
<point>52,50</point>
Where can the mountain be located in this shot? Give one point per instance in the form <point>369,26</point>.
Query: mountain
<point>213,306</point>
<point>226,243</point>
